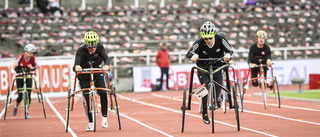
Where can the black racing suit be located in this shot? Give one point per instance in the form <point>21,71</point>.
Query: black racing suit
<point>218,50</point>
<point>83,57</point>
<point>255,54</point>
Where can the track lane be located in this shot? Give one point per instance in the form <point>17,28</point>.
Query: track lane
<point>36,126</point>
<point>197,125</point>
<point>129,126</point>
<point>274,121</point>
<point>167,118</point>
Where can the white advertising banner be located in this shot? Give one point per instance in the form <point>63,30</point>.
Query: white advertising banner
<point>52,75</point>
<point>284,70</point>
<point>57,75</point>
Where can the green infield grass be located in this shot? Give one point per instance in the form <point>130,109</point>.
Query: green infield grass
<point>306,94</point>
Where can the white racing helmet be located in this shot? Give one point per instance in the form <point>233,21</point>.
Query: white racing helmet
<point>30,47</point>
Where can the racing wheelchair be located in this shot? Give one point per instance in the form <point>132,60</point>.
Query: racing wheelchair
<point>93,91</point>
<point>24,75</point>
<point>263,82</point>
<point>211,92</point>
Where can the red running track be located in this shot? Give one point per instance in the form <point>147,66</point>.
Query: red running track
<point>158,114</point>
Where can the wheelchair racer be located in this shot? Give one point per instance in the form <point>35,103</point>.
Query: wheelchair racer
<point>92,52</point>
<point>257,51</point>
<point>209,45</point>
<point>25,60</point>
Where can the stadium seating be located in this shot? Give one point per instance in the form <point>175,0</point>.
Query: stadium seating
<point>123,30</point>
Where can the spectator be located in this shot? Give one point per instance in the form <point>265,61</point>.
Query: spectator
<point>24,2</point>
<point>258,51</point>
<point>209,45</point>
<point>163,61</point>
<point>52,52</point>
<point>53,6</point>
<point>42,4</point>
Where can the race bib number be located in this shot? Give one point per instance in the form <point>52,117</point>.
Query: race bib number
<point>201,92</point>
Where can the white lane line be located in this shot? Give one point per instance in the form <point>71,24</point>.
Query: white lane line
<point>178,111</point>
<point>60,117</point>
<point>145,125</point>
<point>277,116</point>
<point>265,114</point>
<point>173,98</point>
<point>285,106</point>
<point>139,122</point>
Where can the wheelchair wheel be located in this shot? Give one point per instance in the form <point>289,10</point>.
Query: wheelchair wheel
<point>25,101</point>
<point>8,101</point>
<point>213,102</point>
<point>276,91</point>
<point>264,94</point>
<point>68,109</point>
<point>42,101</point>
<point>243,91</point>
<point>183,107</point>
<point>116,107</point>
<point>239,96</point>
<point>236,106</point>
<point>94,110</point>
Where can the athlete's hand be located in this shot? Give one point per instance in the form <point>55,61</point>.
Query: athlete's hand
<point>269,62</point>
<point>78,68</point>
<point>30,66</point>
<point>13,71</point>
<point>226,57</point>
<point>105,68</point>
<point>252,65</point>
<point>194,58</point>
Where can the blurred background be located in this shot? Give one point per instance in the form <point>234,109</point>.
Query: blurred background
<point>131,30</point>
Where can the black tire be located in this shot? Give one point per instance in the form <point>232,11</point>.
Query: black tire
<point>243,90</point>
<point>183,107</point>
<point>25,101</point>
<point>277,91</point>
<point>7,103</point>
<point>239,95</point>
<point>68,110</point>
<point>113,93</point>
<point>236,106</point>
<point>264,94</point>
<point>42,101</point>
<point>94,111</point>
<point>213,103</point>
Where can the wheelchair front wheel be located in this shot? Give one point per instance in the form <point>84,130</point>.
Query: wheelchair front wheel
<point>68,110</point>
<point>116,107</point>
<point>264,94</point>
<point>8,101</point>
<point>239,94</point>
<point>236,106</point>
<point>94,110</point>
<point>25,101</point>
<point>42,101</point>
<point>276,91</point>
<point>183,107</point>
